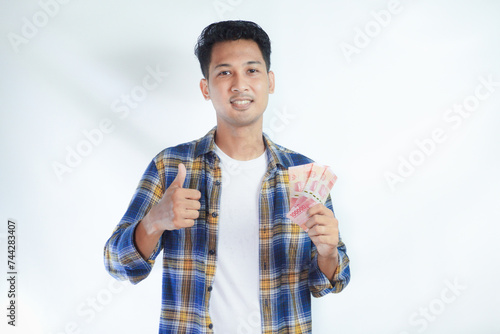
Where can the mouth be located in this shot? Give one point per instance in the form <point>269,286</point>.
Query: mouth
<point>241,103</point>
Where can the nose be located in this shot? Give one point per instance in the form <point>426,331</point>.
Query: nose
<point>239,83</point>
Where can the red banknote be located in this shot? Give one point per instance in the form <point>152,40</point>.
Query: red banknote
<point>309,185</point>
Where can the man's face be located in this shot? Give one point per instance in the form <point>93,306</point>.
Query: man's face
<point>238,83</point>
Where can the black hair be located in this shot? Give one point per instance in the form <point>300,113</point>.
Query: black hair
<point>230,31</point>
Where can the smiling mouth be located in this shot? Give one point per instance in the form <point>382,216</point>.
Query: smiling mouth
<point>242,102</point>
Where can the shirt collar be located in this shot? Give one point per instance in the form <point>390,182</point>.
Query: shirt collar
<point>206,144</point>
<point>278,155</point>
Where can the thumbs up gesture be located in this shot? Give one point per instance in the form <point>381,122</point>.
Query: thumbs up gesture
<point>178,208</point>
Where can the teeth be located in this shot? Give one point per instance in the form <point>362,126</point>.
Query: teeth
<point>242,102</point>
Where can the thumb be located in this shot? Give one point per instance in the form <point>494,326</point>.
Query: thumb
<point>181,176</point>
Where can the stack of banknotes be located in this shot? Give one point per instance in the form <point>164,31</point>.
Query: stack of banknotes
<point>309,185</point>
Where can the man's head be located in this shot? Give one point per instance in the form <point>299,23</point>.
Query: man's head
<point>230,31</point>
<point>237,76</point>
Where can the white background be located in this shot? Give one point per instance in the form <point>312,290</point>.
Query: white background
<point>360,113</point>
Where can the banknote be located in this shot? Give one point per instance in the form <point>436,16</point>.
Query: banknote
<point>309,185</point>
<point>298,176</point>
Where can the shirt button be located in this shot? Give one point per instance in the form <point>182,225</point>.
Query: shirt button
<point>211,252</point>
<point>217,183</point>
<point>209,288</point>
<point>214,214</point>
<point>211,326</point>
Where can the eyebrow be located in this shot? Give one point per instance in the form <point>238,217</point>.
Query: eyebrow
<point>252,62</point>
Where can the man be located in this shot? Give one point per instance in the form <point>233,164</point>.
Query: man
<point>232,261</point>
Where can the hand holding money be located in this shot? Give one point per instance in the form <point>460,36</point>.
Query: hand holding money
<point>309,185</point>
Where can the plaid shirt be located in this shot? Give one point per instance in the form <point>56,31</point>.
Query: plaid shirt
<point>289,271</point>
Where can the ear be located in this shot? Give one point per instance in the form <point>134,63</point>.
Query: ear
<point>204,88</point>
<point>270,76</point>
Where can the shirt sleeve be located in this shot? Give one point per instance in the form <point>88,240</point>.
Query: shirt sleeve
<point>121,257</point>
<point>319,284</point>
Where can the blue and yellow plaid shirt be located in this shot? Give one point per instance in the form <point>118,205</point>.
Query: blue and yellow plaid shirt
<point>289,271</point>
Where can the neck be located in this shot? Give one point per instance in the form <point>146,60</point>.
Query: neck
<point>243,143</point>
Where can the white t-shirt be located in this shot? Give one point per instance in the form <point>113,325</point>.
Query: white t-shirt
<point>234,301</point>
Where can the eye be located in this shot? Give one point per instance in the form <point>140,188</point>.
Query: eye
<point>253,70</point>
<point>223,73</point>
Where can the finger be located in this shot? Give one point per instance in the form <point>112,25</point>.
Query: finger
<point>188,222</point>
<point>324,232</point>
<point>313,231</point>
<point>322,220</point>
<point>191,214</point>
<point>318,230</point>
<point>191,204</point>
<point>182,194</point>
<point>193,194</point>
<point>320,209</point>
<point>180,177</point>
<point>313,221</point>
<point>184,223</point>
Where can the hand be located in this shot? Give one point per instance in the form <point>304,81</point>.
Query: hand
<point>178,208</point>
<point>323,230</point>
